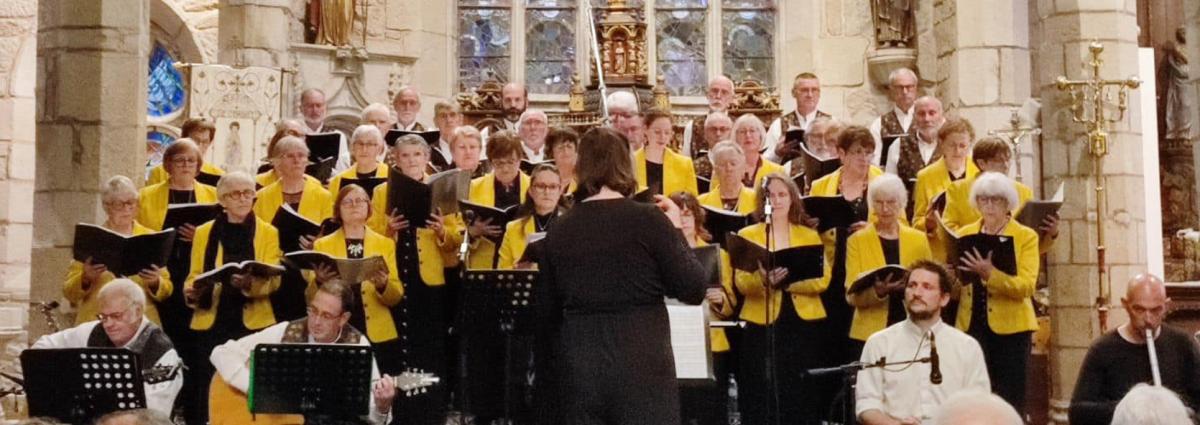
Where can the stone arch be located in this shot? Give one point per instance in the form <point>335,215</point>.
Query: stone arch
<point>169,27</point>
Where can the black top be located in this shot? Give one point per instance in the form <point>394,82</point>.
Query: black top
<point>181,196</point>
<point>354,248</point>
<point>954,178</point>
<point>654,176</point>
<point>366,175</point>
<point>237,243</point>
<point>508,196</point>
<point>1113,366</point>
<point>891,255</point>
<point>891,250</point>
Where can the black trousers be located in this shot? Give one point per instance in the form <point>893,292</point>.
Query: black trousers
<point>707,403</point>
<point>799,345</point>
<point>1007,358</point>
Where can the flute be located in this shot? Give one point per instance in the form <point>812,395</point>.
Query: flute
<point>1153,358</point>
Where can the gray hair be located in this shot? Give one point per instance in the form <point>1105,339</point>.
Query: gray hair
<point>532,112</point>
<point>929,99</point>
<point>139,416</point>
<point>623,100</point>
<point>887,185</point>
<point>1150,405</point>
<point>231,180</point>
<point>994,184</point>
<point>288,144</point>
<point>976,406</point>
<point>368,131</point>
<point>411,140</point>
<point>117,185</point>
<point>405,89</point>
<point>751,120</point>
<point>717,116</point>
<point>898,72</point>
<point>467,131</point>
<point>374,107</point>
<point>726,147</point>
<point>123,288</point>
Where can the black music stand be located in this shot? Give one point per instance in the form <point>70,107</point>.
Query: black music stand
<point>326,383</point>
<point>76,385</point>
<point>509,293</point>
<point>843,406</point>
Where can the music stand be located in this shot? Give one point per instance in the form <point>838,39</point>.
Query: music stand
<point>326,383</point>
<point>510,294</point>
<point>76,385</point>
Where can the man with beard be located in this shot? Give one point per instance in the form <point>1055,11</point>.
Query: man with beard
<point>720,99</point>
<point>909,155</point>
<point>407,104</point>
<point>514,99</point>
<point>911,394</point>
<point>312,108</point>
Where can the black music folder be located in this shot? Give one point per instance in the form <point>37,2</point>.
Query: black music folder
<point>322,169</point>
<point>710,261</point>
<point>193,214</point>
<point>527,166</point>
<point>832,211</point>
<point>292,226</point>
<point>368,184</point>
<point>720,222</point>
<point>208,179</point>
<point>1034,212</point>
<point>866,280</point>
<point>802,262</point>
<point>123,255</point>
<point>793,140</point>
<point>1001,247</point>
<point>498,217</point>
<point>323,145</point>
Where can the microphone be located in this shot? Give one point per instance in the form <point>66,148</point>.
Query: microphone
<point>935,370</point>
<point>768,209</point>
<point>468,217</point>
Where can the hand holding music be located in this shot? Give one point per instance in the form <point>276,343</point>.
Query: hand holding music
<point>150,278</point>
<point>437,224</point>
<point>977,263</point>
<point>306,242</point>
<point>325,272</point>
<point>384,392</point>
<point>776,276</point>
<point>396,223</point>
<point>783,149</point>
<point>241,281</point>
<point>857,226</point>
<point>668,207</point>
<point>890,285</point>
<point>186,232</point>
<point>715,297</point>
<point>1050,226</point>
<point>484,227</point>
<point>92,272</point>
<point>812,221</point>
<point>932,218</point>
<point>380,279</point>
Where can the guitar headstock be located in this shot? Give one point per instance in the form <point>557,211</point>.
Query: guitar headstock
<point>158,374</point>
<point>414,381</point>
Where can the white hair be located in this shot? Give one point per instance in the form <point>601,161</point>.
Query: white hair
<point>289,144</point>
<point>374,107</point>
<point>901,72</point>
<point>123,288</point>
<point>887,185</point>
<point>623,100</point>
<point>725,147</point>
<point>976,408</point>
<point>717,116</point>
<point>751,120</point>
<point>994,184</point>
<point>1150,405</point>
<point>117,185</point>
<point>412,140</point>
<point>233,179</point>
<point>929,99</point>
<point>531,112</point>
<point>368,131</point>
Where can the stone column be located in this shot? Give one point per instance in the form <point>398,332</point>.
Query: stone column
<point>254,33</point>
<point>1066,29</point>
<point>18,44</point>
<point>91,122</point>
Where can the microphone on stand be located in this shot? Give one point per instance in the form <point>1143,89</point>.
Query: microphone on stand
<point>468,217</point>
<point>768,208</point>
<point>935,370</point>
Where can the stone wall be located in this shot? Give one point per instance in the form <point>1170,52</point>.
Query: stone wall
<point>18,46</point>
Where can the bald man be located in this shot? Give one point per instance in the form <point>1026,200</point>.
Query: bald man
<point>514,99</point>
<point>720,99</point>
<point>1119,359</point>
<point>908,156</point>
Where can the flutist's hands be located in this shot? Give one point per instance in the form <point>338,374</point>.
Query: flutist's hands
<point>384,392</point>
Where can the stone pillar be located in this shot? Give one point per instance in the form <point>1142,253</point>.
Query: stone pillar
<point>1066,29</point>
<point>91,122</point>
<point>18,36</point>
<point>254,33</point>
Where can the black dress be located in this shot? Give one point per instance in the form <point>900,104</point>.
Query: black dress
<point>603,327</point>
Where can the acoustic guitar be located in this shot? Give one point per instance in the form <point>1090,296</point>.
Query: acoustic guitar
<point>229,406</point>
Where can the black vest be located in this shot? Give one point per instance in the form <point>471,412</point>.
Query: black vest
<point>150,345</point>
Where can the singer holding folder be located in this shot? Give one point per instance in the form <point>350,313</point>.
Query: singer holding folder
<point>911,394</point>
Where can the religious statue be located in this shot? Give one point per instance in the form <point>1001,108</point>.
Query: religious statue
<point>894,23</point>
<point>331,20</point>
<point>1177,99</point>
<point>233,146</point>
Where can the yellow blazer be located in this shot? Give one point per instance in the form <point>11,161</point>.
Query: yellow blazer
<point>158,174</point>
<point>429,248</point>
<point>678,172</point>
<point>86,302</point>
<point>316,203</point>
<point>482,250</point>
<point>154,200</point>
<point>828,186</point>
<point>335,184</point>
<point>959,212</point>
<point>1010,308</point>
<point>931,182</point>
<point>258,313</point>
<point>513,246</point>
<point>720,343</point>
<point>747,202</point>
<point>864,253</point>
<point>806,294</point>
<point>767,167</point>
<point>378,317</point>
<point>265,178</point>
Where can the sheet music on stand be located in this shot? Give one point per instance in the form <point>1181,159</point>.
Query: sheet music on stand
<point>690,342</point>
<point>327,383</point>
<point>77,385</point>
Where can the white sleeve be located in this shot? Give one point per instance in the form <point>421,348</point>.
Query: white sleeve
<point>75,337</point>
<point>160,397</point>
<point>232,359</point>
<point>976,369</point>
<point>373,414</point>
<point>773,135</point>
<point>343,162</point>
<point>483,139</point>
<point>686,148</point>
<point>876,132</point>
<point>869,392</point>
<point>893,157</point>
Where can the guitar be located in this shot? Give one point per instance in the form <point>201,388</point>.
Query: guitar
<point>228,406</point>
<point>159,374</point>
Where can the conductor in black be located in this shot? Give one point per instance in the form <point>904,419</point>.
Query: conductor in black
<point>606,268</point>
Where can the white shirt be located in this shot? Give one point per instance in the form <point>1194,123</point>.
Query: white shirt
<point>160,397</point>
<point>905,118</point>
<point>232,361</point>
<point>534,157</point>
<point>408,127</point>
<point>927,149</point>
<point>443,148</point>
<point>776,131</point>
<point>906,392</point>
<point>686,148</point>
<point>343,161</point>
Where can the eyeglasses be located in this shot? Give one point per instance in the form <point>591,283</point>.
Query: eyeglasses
<point>185,161</point>
<point>118,316</point>
<point>122,204</point>
<point>546,187</point>
<point>239,195</point>
<point>505,161</point>
<point>323,315</point>
<point>985,199</point>
<point>355,201</point>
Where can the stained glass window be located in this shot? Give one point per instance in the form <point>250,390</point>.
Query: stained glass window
<point>156,144</point>
<point>681,45</point>
<point>484,41</point>
<point>748,29</point>
<point>165,90</point>
<point>549,45</point>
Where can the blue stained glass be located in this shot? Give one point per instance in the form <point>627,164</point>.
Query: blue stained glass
<point>165,90</point>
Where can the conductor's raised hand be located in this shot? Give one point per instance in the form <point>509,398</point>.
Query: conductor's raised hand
<point>669,208</point>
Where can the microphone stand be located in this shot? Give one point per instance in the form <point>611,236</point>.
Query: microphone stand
<point>772,400</point>
<point>596,59</point>
<point>849,372</point>
<point>463,374</point>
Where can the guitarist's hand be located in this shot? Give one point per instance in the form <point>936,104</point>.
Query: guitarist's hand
<point>384,392</point>
<point>186,232</point>
<point>306,242</point>
<point>325,272</point>
<point>396,224</point>
<point>150,277</point>
<point>91,272</point>
<point>1050,226</point>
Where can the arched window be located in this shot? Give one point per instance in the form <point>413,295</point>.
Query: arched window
<point>552,40</point>
<point>165,89</point>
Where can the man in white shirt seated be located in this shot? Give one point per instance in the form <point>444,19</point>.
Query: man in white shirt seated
<point>327,323</point>
<point>905,394</point>
<point>122,323</point>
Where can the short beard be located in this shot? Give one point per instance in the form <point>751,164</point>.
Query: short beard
<point>513,114</point>
<point>922,315</point>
